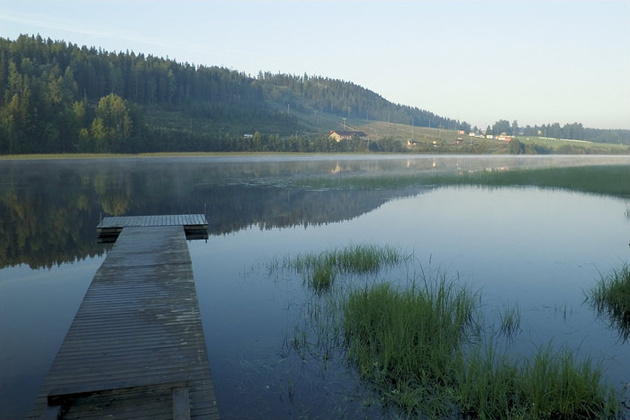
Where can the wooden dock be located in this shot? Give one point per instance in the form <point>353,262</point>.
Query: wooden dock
<point>136,348</point>
<point>195,225</point>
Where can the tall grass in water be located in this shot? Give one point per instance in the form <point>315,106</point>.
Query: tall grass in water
<point>611,297</point>
<point>405,340</point>
<point>413,345</point>
<point>320,271</point>
<point>550,385</point>
<point>510,320</point>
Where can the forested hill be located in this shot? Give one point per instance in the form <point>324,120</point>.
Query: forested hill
<point>59,97</point>
<point>346,99</point>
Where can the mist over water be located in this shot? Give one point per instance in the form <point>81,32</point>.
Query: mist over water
<point>537,248</point>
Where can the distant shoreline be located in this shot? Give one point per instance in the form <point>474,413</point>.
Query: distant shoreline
<point>76,156</point>
<point>70,156</point>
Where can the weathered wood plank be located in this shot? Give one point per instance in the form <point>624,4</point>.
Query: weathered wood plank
<point>118,222</point>
<point>181,403</point>
<point>138,328</point>
<point>195,225</point>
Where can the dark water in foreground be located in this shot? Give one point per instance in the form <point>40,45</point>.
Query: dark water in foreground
<point>535,248</point>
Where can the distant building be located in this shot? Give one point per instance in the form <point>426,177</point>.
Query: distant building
<point>347,135</point>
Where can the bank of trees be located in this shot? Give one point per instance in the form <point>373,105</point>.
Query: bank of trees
<point>57,97</point>
<point>347,99</point>
<point>574,131</point>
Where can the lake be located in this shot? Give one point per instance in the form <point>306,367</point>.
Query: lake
<point>535,248</point>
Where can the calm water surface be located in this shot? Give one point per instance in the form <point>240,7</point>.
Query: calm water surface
<point>535,248</point>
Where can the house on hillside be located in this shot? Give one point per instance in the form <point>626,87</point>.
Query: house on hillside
<point>347,135</point>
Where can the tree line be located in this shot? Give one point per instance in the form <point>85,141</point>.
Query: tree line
<point>57,97</point>
<point>574,131</point>
<point>349,100</point>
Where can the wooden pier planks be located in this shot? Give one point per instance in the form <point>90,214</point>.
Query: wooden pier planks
<point>148,221</point>
<point>195,225</point>
<point>136,345</point>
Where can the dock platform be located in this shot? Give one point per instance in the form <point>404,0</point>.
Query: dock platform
<point>136,348</point>
<point>195,225</point>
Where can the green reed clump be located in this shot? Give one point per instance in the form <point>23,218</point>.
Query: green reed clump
<point>510,320</point>
<point>611,297</point>
<point>550,385</point>
<point>320,271</point>
<point>485,384</point>
<point>419,345</point>
<point>405,340</point>
<point>555,385</point>
<point>412,344</point>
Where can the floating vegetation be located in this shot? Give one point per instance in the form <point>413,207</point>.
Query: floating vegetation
<point>611,298</point>
<point>510,321</point>
<point>563,310</point>
<point>424,347</point>
<point>599,179</point>
<point>320,271</point>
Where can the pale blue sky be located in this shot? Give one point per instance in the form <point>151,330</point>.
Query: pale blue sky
<point>536,61</point>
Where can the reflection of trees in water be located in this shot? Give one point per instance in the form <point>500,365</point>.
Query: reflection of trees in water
<point>49,210</point>
<point>114,191</point>
<point>43,215</point>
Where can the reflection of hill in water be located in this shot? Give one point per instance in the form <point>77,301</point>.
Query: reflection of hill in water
<point>49,210</point>
<point>231,209</point>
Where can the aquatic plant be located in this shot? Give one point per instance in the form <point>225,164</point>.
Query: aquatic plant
<point>484,382</point>
<point>563,310</point>
<point>597,179</point>
<point>423,346</point>
<point>611,298</point>
<point>320,271</point>
<point>510,321</point>
<point>419,346</point>
<point>405,340</point>
<point>549,385</point>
